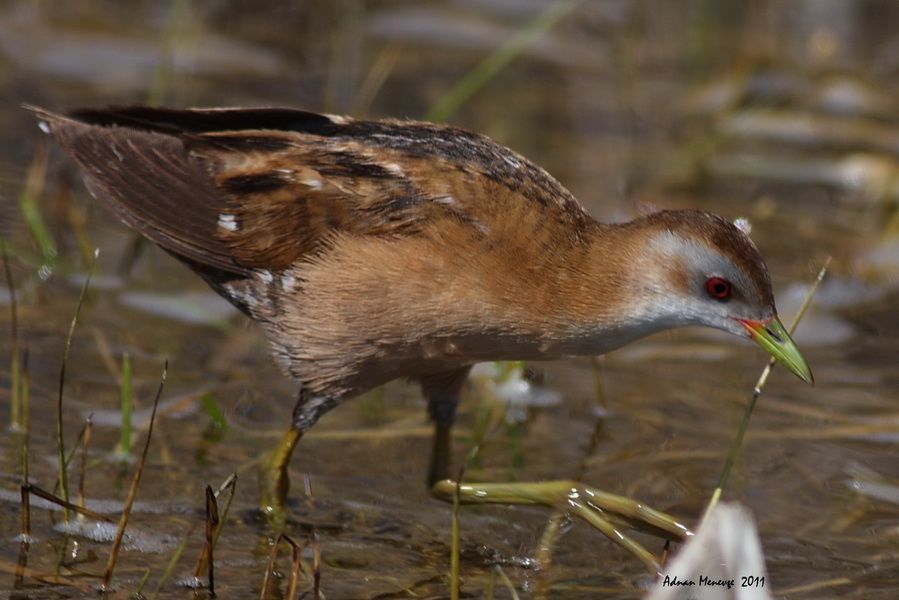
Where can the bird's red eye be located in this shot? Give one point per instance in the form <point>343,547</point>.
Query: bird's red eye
<point>718,288</point>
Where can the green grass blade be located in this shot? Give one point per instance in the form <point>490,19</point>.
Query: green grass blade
<point>124,447</point>
<point>28,205</point>
<point>213,411</point>
<point>487,69</point>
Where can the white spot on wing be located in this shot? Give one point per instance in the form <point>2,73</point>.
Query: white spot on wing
<point>312,182</point>
<point>228,222</point>
<point>338,119</point>
<point>394,168</point>
<point>446,200</point>
<point>43,126</point>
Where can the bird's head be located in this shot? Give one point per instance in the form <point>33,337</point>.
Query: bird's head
<point>701,269</point>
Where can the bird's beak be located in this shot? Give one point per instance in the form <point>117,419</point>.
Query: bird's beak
<point>773,337</point>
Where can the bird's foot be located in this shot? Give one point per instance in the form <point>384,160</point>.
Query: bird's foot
<point>606,512</point>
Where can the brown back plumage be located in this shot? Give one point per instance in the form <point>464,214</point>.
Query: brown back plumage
<point>237,189</point>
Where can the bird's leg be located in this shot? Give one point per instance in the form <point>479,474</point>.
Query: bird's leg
<point>606,512</point>
<point>609,513</point>
<point>274,480</point>
<point>443,414</point>
<point>442,393</point>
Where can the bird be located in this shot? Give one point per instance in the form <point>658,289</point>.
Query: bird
<point>372,250</point>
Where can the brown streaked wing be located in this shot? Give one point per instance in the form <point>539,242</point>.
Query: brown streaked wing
<point>150,182</point>
<point>237,189</point>
<point>288,193</point>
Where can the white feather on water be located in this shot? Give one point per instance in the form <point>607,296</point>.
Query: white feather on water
<point>714,563</point>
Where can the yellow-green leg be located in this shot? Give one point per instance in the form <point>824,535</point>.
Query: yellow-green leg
<point>274,481</point>
<point>606,512</point>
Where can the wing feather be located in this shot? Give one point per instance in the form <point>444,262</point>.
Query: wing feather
<point>243,189</point>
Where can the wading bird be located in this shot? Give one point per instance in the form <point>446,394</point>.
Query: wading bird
<point>373,250</point>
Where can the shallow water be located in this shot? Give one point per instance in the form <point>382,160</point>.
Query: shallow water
<point>607,103</point>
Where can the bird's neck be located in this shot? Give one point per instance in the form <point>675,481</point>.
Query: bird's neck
<point>601,299</point>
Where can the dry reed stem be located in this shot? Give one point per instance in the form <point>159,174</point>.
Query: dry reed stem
<point>25,403</point>
<point>24,450</point>
<point>60,441</point>
<point>85,444</point>
<point>126,401</point>
<point>814,586</point>
<point>81,510</point>
<point>15,406</point>
<point>132,492</point>
<point>269,568</point>
<point>230,483</point>
<point>212,523</point>
<point>71,455</point>
<point>757,392</point>
<point>455,542</point>
<point>296,570</point>
<point>26,512</point>
<point>316,566</point>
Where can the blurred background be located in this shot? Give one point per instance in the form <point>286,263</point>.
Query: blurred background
<point>784,112</point>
